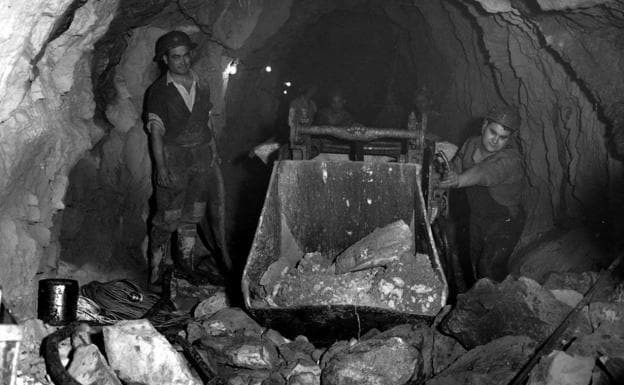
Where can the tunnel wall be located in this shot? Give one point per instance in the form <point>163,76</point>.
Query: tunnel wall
<point>46,126</point>
<point>572,174</point>
<point>562,67</point>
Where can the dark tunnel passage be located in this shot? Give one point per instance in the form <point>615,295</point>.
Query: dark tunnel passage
<point>377,58</point>
<point>355,52</point>
<point>469,55</point>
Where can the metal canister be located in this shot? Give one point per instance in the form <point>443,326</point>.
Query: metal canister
<point>57,301</point>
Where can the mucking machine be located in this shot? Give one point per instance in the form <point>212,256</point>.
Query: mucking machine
<point>386,174</point>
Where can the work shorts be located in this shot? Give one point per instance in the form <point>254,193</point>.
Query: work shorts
<point>185,201</point>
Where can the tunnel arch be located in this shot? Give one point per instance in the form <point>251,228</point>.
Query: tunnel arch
<point>76,98</point>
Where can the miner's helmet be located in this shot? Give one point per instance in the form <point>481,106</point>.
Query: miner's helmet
<point>506,116</point>
<point>171,40</point>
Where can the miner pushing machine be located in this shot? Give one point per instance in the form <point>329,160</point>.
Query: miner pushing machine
<point>344,245</point>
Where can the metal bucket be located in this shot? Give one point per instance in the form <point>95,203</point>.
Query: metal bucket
<point>57,301</point>
<point>326,207</point>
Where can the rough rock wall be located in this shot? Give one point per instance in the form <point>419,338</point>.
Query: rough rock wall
<point>103,229</point>
<point>451,65</point>
<point>572,175</point>
<point>589,41</point>
<point>46,125</point>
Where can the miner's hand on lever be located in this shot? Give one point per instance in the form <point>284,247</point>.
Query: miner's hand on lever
<point>451,180</point>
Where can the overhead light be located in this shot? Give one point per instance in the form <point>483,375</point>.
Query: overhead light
<point>268,69</point>
<point>231,68</point>
<point>285,92</point>
<point>287,84</point>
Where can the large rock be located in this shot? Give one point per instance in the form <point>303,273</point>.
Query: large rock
<point>606,344</point>
<point>379,248</point>
<point>607,317</point>
<point>559,368</point>
<point>375,361</point>
<point>492,364</point>
<point>514,307</point>
<point>246,352</point>
<point>298,350</point>
<point>251,377</point>
<point>230,320</point>
<point>225,322</point>
<point>601,345</point>
<point>89,367</point>
<point>575,251</point>
<point>437,350</point>
<point>302,374</point>
<point>581,283</point>
<point>141,355</point>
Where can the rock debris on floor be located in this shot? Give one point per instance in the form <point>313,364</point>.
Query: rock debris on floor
<point>487,337</point>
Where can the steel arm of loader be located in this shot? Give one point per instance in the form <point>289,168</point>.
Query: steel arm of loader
<point>358,133</point>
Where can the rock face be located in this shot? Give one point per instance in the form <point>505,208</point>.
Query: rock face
<point>484,366</point>
<point>374,361</point>
<point>46,124</point>
<point>575,251</point>
<point>514,307</point>
<point>565,178</point>
<point>141,355</point>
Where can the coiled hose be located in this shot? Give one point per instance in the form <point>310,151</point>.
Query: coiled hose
<point>120,299</point>
<point>109,302</point>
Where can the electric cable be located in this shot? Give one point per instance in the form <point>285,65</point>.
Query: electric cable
<point>118,300</point>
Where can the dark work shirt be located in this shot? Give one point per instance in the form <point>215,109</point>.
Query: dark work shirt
<point>502,172</point>
<point>166,107</point>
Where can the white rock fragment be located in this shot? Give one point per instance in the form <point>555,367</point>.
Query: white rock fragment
<point>139,354</point>
<point>211,305</point>
<point>398,281</point>
<point>421,289</point>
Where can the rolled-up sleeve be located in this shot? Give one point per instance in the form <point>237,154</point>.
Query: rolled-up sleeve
<point>154,122</point>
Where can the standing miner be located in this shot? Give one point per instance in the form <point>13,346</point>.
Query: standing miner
<point>490,169</point>
<point>335,113</point>
<point>186,172</point>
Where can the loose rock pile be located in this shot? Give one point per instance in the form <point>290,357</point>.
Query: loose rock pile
<point>487,338</point>
<point>381,270</point>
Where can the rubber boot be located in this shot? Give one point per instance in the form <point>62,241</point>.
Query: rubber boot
<point>187,235</point>
<point>160,258</point>
<point>160,264</point>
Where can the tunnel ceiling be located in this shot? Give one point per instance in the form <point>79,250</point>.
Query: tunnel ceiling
<point>74,73</point>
